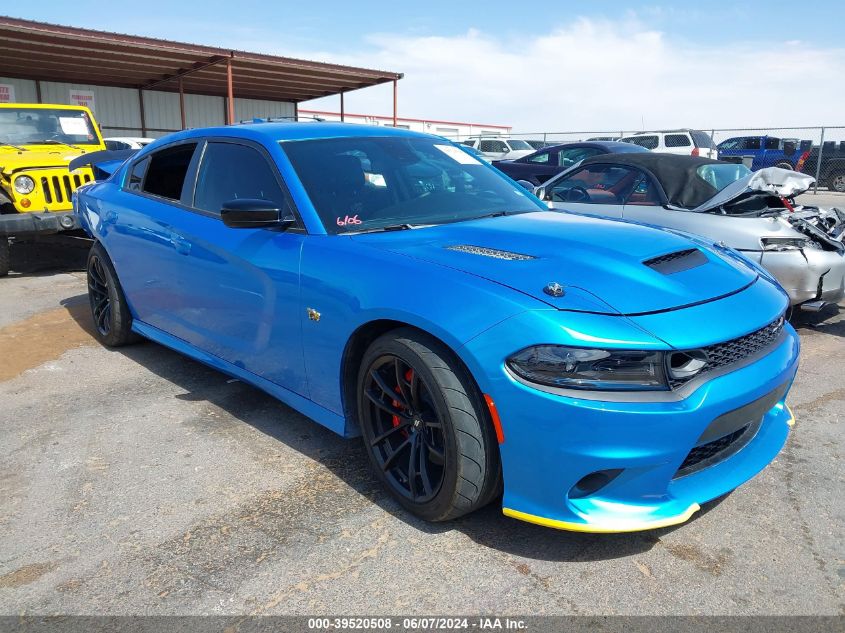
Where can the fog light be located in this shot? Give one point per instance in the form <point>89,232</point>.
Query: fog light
<point>593,482</point>
<point>25,203</point>
<point>66,221</point>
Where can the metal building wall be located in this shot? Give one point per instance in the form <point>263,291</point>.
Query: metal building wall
<point>118,110</point>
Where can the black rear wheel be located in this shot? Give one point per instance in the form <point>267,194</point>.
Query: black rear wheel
<point>112,319</point>
<point>837,182</point>
<point>424,427</point>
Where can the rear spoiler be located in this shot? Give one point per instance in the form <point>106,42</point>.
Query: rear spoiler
<point>103,163</point>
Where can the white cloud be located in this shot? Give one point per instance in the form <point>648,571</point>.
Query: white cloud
<point>601,75</point>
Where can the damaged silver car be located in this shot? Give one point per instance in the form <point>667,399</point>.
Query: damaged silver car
<point>751,212</point>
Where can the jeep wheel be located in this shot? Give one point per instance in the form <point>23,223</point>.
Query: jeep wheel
<point>836,182</point>
<point>425,428</point>
<point>112,320</point>
<point>5,256</point>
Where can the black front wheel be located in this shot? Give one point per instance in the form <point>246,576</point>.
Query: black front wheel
<point>837,182</point>
<point>112,320</point>
<point>424,427</point>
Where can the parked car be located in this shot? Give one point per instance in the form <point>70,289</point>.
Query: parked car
<point>537,144</point>
<point>127,142</point>
<point>602,138</point>
<point>831,173</point>
<point>684,142</point>
<point>498,148</point>
<point>750,212</point>
<point>765,151</point>
<point>538,167</point>
<point>37,141</point>
<point>386,283</point>
<point>475,152</point>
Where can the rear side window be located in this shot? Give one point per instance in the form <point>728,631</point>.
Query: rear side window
<point>167,170</point>
<point>492,146</point>
<point>702,139</point>
<point>136,176</point>
<point>231,172</point>
<point>677,140</point>
<point>649,142</point>
<point>542,158</point>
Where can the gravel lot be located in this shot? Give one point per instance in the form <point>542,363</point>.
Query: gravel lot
<point>138,481</point>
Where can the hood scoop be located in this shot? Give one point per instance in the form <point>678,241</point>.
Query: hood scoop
<point>677,262</point>
<point>489,252</point>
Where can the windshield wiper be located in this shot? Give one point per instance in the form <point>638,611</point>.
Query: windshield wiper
<point>52,141</point>
<point>390,227</point>
<point>23,149</point>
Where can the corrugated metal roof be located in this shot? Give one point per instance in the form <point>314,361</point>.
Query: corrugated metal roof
<point>38,50</point>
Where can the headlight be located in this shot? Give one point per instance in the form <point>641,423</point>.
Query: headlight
<point>24,184</point>
<point>785,243</point>
<point>585,368</point>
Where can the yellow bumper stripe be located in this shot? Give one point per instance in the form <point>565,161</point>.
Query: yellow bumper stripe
<point>602,529</point>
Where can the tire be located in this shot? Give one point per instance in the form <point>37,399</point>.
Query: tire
<point>5,256</point>
<point>785,165</point>
<point>836,181</point>
<point>431,444</point>
<point>112,319</point>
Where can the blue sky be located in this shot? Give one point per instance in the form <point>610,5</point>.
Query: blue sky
<point>538,64</point>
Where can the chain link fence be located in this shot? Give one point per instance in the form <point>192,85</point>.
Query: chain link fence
<point>815,150</point>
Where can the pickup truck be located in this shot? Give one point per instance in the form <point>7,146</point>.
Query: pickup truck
<point>765,151</point>
<point>832,172</point>
<point>37,143</point>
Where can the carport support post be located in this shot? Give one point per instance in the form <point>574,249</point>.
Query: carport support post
<point>819,163</point>
<point>143,117</point>
<point>230,98</point>
<point>342,111</point>
<point>395,90</point>
<point>182,103</point>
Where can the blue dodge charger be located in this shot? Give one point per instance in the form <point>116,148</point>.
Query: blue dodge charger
<point>596,375</point>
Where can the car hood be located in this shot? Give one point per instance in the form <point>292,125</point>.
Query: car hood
<point>774,180</point>
<point>599,263</point>
<point>57,156</point>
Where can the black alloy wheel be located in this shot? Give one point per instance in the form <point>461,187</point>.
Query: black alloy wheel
<point>406,429</point>
<point>99,295</point>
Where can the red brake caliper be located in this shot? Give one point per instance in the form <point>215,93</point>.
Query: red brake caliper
<point>409,376</point>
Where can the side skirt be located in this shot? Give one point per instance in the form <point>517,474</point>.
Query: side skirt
<point>306,407</point>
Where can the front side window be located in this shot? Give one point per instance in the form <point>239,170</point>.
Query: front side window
<point>677,140</point>
<point>647,141</point>
<point>230,172</point>
<point>368,183</point>
<point>597,184</point>
<point>35,126</point>
<point>166,172</point>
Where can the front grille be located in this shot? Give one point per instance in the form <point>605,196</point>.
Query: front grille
<point>59,189</point>
<point>707,451</point>
<point>489,252</point>
<point>735,350</point>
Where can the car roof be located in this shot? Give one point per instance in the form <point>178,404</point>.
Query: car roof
<point>297,131</point>
<point>608,146</point>
<point>676,174</point>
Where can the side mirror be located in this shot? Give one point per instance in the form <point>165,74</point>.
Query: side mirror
<point>525,185</point>
<point>248,213</point>
<point>541,193</point>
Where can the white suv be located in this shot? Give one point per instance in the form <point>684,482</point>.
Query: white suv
<point>685,142</point>
<point>500,148</point>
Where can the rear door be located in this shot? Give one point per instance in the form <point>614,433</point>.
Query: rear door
<point>493,148</point>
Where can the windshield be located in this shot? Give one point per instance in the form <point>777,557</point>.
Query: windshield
<point>517,144</point>
<point>720,175</point>
<point>368,183</point>
<point>32,126</point>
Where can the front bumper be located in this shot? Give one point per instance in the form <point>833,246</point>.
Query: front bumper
<point>26,224</point>
<point>552,442</point>
<point>808,275</point>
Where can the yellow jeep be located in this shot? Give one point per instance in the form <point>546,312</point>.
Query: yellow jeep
<point>37,141</point>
